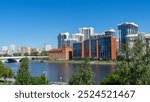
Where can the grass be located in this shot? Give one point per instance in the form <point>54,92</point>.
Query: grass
<point>6,83</point>
<point>78,62</point>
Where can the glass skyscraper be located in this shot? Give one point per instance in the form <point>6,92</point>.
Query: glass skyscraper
<point>125,29</point>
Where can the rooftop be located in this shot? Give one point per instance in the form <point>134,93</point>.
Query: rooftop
<point>126,23</point>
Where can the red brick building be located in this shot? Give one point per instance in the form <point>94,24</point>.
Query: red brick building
<point>64,53</point>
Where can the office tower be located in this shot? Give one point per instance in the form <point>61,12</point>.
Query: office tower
<point>61,39</point>
<point>87,32</point>
<point>78,36</point>
<point>125,29</point>
<point>47,47</point>
<point>70,41</point>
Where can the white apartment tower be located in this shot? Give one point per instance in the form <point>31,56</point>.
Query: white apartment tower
<point>87,32</point>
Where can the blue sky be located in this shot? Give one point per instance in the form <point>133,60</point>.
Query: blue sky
<point>35,22</point>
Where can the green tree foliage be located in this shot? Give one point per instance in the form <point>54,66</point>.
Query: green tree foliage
<point>26,54</point>
<point>41,80</point>
<point>83,74</point>
<point>134,68</point>
<point>5,72</point>
<point>44,53</point>
<point>112,79</point>
<point>16,54</point>
<point>36,53</point>
<point>23,75</point>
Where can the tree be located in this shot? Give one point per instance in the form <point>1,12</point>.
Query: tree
<point>36,53</point>
<point>44,53</point>
<point>134,68</point>
<point>83,74</point>
<point>112,79</point>
<point>23,75</point>
<point>26,54</point>
<point>41,80</point>
<point>5,72</point>
<point>16,54</point>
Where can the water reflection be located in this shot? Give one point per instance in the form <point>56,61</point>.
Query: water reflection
<point>63,72</point>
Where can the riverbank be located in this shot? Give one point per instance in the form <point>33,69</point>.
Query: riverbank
<point>78,62</point>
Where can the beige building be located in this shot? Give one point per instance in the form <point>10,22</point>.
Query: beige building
<point>26,49</point>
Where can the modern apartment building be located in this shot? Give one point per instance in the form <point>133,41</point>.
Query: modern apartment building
<point>144,38</point>
<point>87,32</point>
<point>47,47</point>
<point>125,29</point>
<point>102,48</point>
<point>78,36</point>
<point>70,41</point>
<point>61,39</point>
<point>64,53</point>
<point>26,49</point>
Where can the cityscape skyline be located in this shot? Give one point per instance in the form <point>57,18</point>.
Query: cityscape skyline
<point>35,22</point>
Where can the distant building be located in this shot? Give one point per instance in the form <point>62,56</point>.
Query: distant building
<point>103,47</point>
<point>87,32</point>
<point>4,49</point>
<point>125,29</point>
<point>61,39</point>
<point>70,41</point>
<point>64,53</point>
<point>47,47</point>
<point>26,49</point>
<point>12,49</point>
<point>78,36</point>
<point>144,38</point>
<point>147,40</point>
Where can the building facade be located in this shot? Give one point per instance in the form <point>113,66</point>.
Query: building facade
<point>78,36</point>
<point>70,41</point>
<point>87,32</point>
<point>125,29</point>
<point>64,53</point>
<point>26,50</point>
<point>47,47</point>
<point>78,50</point>
<point>144,38</point>
<point>61,39</point>
<point>102,48</point>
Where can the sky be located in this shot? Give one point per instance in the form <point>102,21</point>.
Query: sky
<point>36,22</point>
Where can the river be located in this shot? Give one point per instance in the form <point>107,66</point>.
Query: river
<point>62,72</point>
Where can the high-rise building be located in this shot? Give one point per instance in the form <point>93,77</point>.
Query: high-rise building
<point>4,49</point>
<point>78,36</point>
<point>144,38</point>
<point>47,47</point>
<point>87,32</point>
<point>125,29</point>
<point>61,39</point>
<point>70,41</point>
<point>26,50</point>
<point>12,49</point>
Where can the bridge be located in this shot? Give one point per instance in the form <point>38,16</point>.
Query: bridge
<point>19,58</point>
